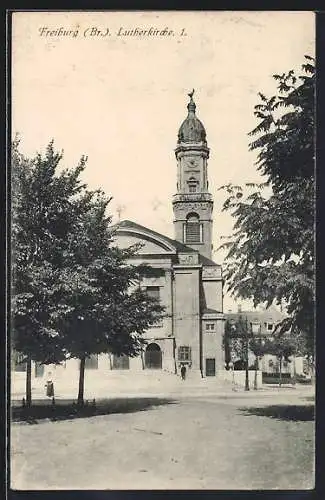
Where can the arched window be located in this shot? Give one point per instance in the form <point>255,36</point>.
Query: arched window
<point>192,229</point>
<point>153,356</point>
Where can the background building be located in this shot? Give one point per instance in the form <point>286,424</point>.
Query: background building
<point>262,323</point>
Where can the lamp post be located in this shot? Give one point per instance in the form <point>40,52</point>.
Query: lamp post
<point>255,375</point>
<point>294,371</point>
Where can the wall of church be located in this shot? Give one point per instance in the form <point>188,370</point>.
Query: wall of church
<point>165,327</point>
<point>187,312</point>
<point>213,294</point>
<point>212,344</point>
<point>167,351</point>
<point>206,248</point>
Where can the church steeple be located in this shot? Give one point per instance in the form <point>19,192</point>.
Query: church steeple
<point>192,204</point>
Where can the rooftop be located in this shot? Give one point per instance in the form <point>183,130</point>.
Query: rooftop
<point>179,247</point>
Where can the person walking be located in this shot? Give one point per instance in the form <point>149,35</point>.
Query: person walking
<point>183,372</point>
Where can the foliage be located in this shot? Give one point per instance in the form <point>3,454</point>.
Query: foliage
<point>74,293</point>
<point>281,346</point>
<point>270,257</point>
<point>285,141</point>
<point>43,214</point>
<point>101,309</point>
<point>237,338</point>
<point>257,346</point>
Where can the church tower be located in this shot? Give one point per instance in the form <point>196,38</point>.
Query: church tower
<point>193,204</point>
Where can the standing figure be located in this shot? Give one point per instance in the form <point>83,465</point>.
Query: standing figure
<point>49,386</point>
<point>183,372</point>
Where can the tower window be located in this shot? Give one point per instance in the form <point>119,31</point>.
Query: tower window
<point>192,185</point>
<point>193,229</point>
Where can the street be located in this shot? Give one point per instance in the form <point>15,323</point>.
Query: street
<point>234,441</point>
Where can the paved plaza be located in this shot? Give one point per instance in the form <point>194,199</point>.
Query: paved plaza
<point>222,440</point>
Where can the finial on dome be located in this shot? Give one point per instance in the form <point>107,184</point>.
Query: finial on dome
<point>191,94</point>
<point>191,105</point>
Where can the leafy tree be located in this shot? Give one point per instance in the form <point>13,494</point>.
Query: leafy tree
<point>103,307</point>
<point>43,213</point>
<point>270,256</point>
<point>74,293</point>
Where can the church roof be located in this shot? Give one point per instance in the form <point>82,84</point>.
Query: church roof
<point>270,314</point>
<point>208,310</point>
<point>192,129</point>
<point>179,247</point>
<point>207,262</point>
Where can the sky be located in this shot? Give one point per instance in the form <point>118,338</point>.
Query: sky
<point>120,99</point>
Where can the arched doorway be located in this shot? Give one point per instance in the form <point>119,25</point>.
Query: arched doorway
<point>153,357</point>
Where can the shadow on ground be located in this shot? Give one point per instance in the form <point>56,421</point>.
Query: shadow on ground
<point>67,410</point>
<point>302,413</point>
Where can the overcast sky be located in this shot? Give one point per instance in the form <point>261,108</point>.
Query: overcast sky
<point>121,99</point>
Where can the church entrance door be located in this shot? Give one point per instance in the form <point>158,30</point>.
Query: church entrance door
<point>210,367</point>
<point>153,357</point>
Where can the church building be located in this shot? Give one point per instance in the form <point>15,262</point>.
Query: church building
<point>190,288</point>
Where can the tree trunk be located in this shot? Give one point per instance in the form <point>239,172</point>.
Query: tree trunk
<point>255,375</point>
<point>280,373</point>
<point>246,378</point>
<point>28,382</point>
<point>81,381</point>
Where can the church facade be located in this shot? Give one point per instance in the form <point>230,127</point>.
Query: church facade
<point>190,288</point>
<point>191,331</point>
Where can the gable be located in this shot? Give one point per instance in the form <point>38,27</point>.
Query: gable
<point>150,244</point>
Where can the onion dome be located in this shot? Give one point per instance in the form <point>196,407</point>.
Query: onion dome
<point>192,129</point>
